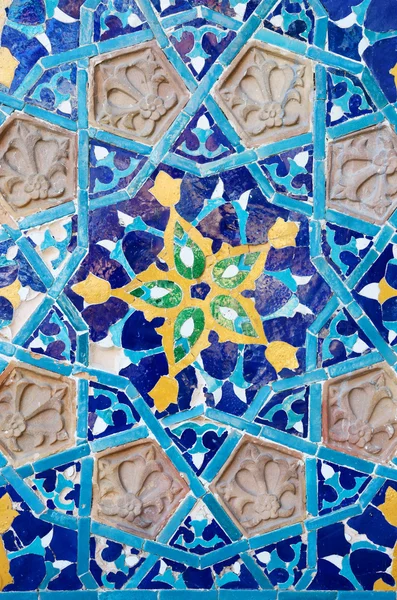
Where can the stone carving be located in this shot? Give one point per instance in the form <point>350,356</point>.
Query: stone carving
<point>136,93</point>
<point>37,413</point>
<point>266,93</point>
<point>37,165</point>
<point>360,413</point>
<point>362,174</point>
<point>262,487</point>
<point>136,488</point>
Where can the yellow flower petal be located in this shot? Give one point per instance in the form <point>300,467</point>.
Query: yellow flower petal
<point>389,507</point>
<point>11,292</point>
<point>165,392</point>
<point>283,233</point>
<point>94,290</point>
<point>8,64</point>
<point>282,356</point>
<point>166,189</point>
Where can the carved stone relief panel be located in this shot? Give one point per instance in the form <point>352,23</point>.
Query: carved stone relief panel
<point>136,488</point>
<point>37,413</point>
<point>37,165</point>
<point>136,93</point>
<point>262,487</point>
<point>362,174</point>
<point>360,413</point>
<point>266,93</point>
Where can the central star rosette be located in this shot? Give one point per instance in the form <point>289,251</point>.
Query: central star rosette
<point>198,292</point>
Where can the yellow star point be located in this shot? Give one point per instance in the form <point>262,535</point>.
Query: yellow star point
<point>166,189</point>
<point>282,355</point>
<point>283,234</point>
<point>165,392</point>
<point>94,290</point>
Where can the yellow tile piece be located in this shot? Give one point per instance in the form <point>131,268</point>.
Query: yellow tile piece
<point>166,189</point>
<point>283,233</point>
<point>393,72</point>
<point>11,292</point>
<point>165,392</point>
<point>8,65</point>
<point>389,507</point>
<point>94,290</point>
<point>7,515</point>
<point>282,355</point>
<point>3,5</point>
<point>385,291</point>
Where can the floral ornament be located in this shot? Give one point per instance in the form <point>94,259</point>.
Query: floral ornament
<point>133,91</point>
<point>259,102</point>
<point>7,516</point>
<point>364,169</point>
<point>358,412</point>
<point>138,489</point>
<point>255,491</point>
<point>33,167</point>
<point>31,410</point>
<point>225,310</point>
<point>13,425</point>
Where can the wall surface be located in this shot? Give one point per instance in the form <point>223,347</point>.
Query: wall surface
<point>198,299</point>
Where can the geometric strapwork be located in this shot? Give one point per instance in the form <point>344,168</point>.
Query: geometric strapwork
<point>198,299</point>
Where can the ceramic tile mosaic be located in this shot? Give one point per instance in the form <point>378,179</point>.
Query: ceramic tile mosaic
<point>198,299</point>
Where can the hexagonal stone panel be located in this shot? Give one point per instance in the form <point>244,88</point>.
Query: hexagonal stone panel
<point>136,488</point>
<point>360,413</point>
<point>262,487</point>
<point>266,93</point>
<point>136,93</point>
<point>37,165</point>
<point>362,174</point>
<point>37,413</point>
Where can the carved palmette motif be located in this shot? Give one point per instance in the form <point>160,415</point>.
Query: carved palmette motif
<point>362,174</point>
<point>266,94</point>
<point>136,94</point>
<point>262,487</point>
<point>37,413</point>
<point>136,488</point>
<point>37,165</point>
<point>360,413</point>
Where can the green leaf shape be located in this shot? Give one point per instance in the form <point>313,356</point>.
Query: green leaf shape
<point>188,256</point>
<point>164,294</point>
<point>189,326</point>
<point>230,272</point>
<point>229,313</point>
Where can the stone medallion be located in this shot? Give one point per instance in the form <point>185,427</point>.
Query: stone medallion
<point>37,165</point>
<point>362,174</point>
<point>136,488</point>
<point>262,487</point>
<point>360,413</point>
<point>136,93</point>
<point>37,413</point>
<point>266,93</point>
